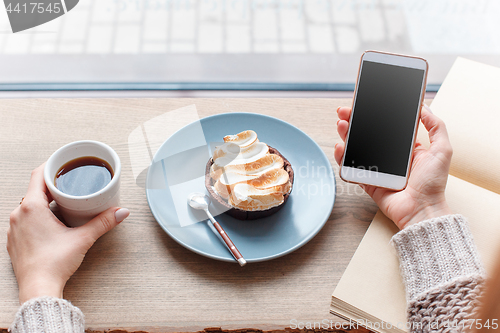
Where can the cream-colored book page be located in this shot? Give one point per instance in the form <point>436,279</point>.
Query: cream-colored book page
<point>482,209</point>
<point>372,282</point>
<point>469,103</point>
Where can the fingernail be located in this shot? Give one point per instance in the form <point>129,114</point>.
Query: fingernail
<point>338,109</point>
<point>121,214</point>
<point>338,122</point>
<point>336,146</point>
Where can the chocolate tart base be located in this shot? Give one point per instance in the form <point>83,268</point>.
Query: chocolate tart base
<point>244,214</point>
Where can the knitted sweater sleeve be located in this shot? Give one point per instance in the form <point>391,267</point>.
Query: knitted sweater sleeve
<point>442,273</point>
<point>48,315</point>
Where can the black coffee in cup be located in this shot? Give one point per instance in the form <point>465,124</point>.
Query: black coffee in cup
<point>83,176</point>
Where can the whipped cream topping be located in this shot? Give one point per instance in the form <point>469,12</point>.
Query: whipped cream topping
<point>247,175</point>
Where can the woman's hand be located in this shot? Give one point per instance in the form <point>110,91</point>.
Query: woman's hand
<point>423,198</point>
<point>44,252</point>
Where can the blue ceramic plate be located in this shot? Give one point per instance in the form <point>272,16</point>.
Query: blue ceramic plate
<point>302,217</point>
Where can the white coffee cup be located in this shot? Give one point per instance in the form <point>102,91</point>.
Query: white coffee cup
<point>78,210</point>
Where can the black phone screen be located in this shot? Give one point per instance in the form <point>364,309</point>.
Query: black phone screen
<point>383,121</point>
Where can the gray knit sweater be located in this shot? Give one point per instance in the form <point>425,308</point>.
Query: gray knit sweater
<point>439,263</point>
<point>442,274</point>
<point>48,315</point>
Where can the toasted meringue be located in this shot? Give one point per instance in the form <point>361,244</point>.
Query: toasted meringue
<point>258,167</point>
<point>276,179</point>
<point>243,139</point>
<point>227,149</point>
<point>225,156</point>
<point>247,197</point>
<point>247,175</point>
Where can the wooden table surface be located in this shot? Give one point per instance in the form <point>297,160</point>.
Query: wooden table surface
<point>136,277</point>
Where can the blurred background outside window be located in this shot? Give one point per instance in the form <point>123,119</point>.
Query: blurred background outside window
<point>240,44</point>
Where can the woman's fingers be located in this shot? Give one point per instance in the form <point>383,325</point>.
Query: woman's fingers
<point>37,189</point>
<point>338,152</point>
<point>343,123</point>
<point>344,113</point>
<point>342,128</point>
<point>103,223</point>
<point>438,135</point>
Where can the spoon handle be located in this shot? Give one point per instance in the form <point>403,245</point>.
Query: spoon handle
<point>227,241</point>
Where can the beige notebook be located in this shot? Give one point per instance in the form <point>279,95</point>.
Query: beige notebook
<point>469,103</point>
<point>371,291</point>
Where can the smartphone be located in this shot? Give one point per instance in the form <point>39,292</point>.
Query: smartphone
<point>384,120</point>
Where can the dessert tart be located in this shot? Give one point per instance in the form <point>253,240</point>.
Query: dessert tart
<point>248,178</point>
